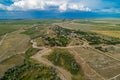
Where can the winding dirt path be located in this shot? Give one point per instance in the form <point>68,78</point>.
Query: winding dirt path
<point>63,74</point>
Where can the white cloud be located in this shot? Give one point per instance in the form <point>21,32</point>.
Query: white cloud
<point>78,7</point>
<point>27,5</point>
<point>62,5</point>
<point>111,10</point>
<point>2,6</point>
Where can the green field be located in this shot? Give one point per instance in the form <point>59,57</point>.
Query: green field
<point>7,26</point>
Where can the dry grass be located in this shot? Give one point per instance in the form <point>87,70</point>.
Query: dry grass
<point>14,43</point>
<point>108,33</point>
<point>39,41</point>
<point>105,66</point>
<point>10,62</point>
<point>76,41</point>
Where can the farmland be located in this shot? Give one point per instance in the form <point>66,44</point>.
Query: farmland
<point>60,49</point>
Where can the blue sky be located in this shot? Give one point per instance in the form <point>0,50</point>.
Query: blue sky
<point>13,9</point>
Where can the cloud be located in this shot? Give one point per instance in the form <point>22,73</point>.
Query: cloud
<point>80,7</point>
<point>61,5</point>
<point>2,6</point>
<point>110,10</point>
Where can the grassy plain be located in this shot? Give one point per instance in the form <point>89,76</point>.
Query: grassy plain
<point>11,62</point>
<point>14,43</point>
<point>110,33</point>
<point>11,50</point>
<point>16,49</point>
<point>110,27</point>
<point>106,66</point>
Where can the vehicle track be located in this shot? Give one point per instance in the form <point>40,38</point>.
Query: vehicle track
<point>3,39</point>
<point>63,74</point>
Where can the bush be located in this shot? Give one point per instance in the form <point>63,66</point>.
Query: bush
<point>64,59</point>
<point>57,41</point>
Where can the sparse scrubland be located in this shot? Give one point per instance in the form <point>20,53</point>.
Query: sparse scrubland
<point>63,58</point>
<point>95,42</point>
<point>31,71</point>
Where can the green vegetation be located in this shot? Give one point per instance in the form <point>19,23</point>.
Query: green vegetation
<point>62,31</point>
<point>14,43</point>
<point>49,39</point>
<point>29,22</point>
<point>10,62</point>
<point>61,38</point>
<point>57,41</point>
<point>39,41</point>
<point>63,58</point>
<point>101,49</point>
<point>7,29</point>
<point>94,38</point>
<point>30,52</point>
<point>7,26</point>
<point>13,60</point>
<point>91,37</point>
<point>34,32</point>
<point>31,71</point>
<point>91,22</point>
<point>12,46</point>
<point>98,33</point>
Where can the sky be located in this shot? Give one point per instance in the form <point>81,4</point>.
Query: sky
<point>22,9</point>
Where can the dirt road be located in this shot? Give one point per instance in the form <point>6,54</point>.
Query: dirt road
<point>90,73</point>
<point>63,74</point>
